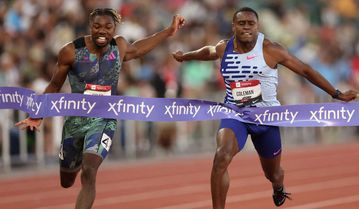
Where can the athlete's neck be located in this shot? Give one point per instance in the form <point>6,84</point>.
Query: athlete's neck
<point>100,50</point>
<point>244,46</point>
<point>95,49</point>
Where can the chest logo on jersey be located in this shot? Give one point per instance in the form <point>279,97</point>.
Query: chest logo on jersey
<point>111,56</point>
<point>250,57</point>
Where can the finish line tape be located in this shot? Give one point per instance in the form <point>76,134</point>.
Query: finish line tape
<point>176,109</point>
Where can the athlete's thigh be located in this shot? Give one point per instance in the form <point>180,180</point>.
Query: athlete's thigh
<point>266,140</point>
<point>98,139</point>
<point>72,142</point>
<point>230,128</point>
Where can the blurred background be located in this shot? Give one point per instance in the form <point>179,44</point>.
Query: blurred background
<point>322,33</point>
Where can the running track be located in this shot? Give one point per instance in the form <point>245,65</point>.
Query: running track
<point>317,176</point>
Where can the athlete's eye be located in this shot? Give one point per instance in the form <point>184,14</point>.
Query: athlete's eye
<point>109,26</point>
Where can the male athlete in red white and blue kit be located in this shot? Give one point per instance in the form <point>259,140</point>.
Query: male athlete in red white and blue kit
<point>249,69</point>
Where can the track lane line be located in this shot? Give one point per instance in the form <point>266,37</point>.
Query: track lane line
<point>326,203</point>
<point>236,182</point>
<point>264,194</point>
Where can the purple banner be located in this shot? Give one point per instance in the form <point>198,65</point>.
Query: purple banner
<point>164,109</point>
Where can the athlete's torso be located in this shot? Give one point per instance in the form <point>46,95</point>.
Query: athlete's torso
<point>247,67</point>
<point>89,69</point>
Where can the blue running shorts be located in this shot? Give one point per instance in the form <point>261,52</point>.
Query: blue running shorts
<point>266,139</point>
<point>84,135</point>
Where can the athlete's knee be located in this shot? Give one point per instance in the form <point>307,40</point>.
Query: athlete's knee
<point>67,180</point>
<point>67,184</point>
<point>276,176</point>
<point>222,158</point>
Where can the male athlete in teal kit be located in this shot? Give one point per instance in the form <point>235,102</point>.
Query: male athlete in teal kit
<point>92,64</point>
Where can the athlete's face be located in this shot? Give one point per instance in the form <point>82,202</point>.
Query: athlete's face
<point>245,27</point>
<point>102,30</point>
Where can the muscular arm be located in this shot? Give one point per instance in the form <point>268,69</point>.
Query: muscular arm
<point>276,54</point>
<point>205,53</point>
<point>65,59</point>
<point>143,46</point>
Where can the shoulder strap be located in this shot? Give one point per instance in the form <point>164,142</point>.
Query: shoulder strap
<point>79,42</point>
<point>113,42</point>
<point>229,45</point>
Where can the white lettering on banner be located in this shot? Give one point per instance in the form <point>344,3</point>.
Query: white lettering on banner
<point>63,104</point>
<point>213,109</point>
<point>276,116</point>
<point>33,105</point>
<point>120,106</point>
<point>12,98</point>
<point>174,109</point>
<point>322,114</point>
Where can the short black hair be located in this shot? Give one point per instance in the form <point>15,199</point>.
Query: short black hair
<point>106,11</point>
<point>245,9</point>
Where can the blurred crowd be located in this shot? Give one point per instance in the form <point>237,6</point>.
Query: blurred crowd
<point>322,33</point>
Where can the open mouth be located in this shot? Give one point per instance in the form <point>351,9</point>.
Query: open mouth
<point>246,34</point>
<point>101,40</point>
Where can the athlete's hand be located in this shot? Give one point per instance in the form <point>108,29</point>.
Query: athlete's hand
<point>348,96</point>
<point>178,56</point>
<point>32,123</point>
<point>177,22</point>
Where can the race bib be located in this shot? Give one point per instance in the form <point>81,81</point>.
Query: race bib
<point>92,89</point>
<point>246,92</point>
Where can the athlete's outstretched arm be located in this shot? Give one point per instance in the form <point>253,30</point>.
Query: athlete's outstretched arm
<point>65,59</point>
<point>143,46</point>
<point>283,57</point>
<point>204,53</point>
